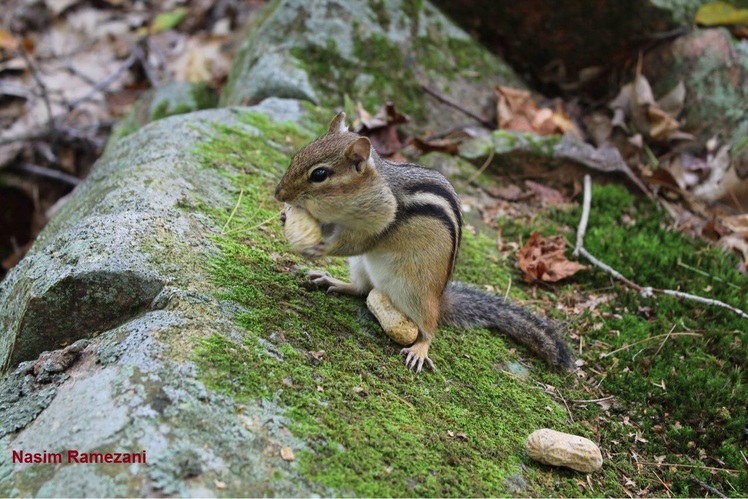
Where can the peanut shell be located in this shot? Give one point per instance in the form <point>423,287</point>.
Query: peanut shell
<point>563,449</point>
<point>302,230</point>
<point>396,325</point>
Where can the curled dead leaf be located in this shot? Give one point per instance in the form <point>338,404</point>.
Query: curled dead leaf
<point>543,259</point>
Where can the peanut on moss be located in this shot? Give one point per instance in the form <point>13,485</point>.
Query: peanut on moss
<point>562,449</point>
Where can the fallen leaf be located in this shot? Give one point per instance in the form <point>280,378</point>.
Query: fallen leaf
<point>547,195</point>
<point>720,13</point>
<point>168,20</point>
<point>543,259</point>
<point>661,124</point>
<point>287,454</point>
<point>382,130</point>
<point>446,146</point>
<point>514,108</point>
<point>509,192</point>
<point>518,111</point>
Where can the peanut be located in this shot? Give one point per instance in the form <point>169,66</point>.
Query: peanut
<point>304,232</point>
<point>396,325</point>
<point>562,449</point>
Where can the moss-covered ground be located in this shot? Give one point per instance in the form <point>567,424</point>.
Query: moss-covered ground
<point>676,369</point>
<point>376,429</point>
<point>373,427</point>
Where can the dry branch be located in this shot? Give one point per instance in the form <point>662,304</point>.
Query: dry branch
<point>644,291</point>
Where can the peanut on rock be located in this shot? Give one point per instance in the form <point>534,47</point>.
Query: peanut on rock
<point>562,449</point>
<point>303,231</point>
<point>396,325</point>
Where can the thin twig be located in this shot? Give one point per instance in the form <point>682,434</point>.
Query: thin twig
<point>233,212</point>
<point>586,202</point>
<point>483,167</point>
<point>697,466</point>
<point>626,347</point>
<point>670,492</point>
<point>42,90</point>
<point>707,487</point>
<point>645,291</point>
<point>449,102</point>
<point>103,84</point>
<point>701,299</point>
<point>592,401</point>
<point>46,172</point>
<point>664,341</point>
<point>571,418</point>
<point>707,274</point>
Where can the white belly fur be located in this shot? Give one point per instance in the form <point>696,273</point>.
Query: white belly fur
<point>379,266</point>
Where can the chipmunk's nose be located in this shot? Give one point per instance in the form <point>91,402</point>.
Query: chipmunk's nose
<point>280,194</point>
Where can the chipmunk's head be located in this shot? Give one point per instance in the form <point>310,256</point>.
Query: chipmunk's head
<point>333,168</point>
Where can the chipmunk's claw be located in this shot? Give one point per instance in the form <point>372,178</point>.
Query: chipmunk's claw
<point>415,358</point>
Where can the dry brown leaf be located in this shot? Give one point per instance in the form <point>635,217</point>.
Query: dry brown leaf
<point>514,108</point>
<point>509,192</point>
<point>518,111</point>
<point>287,454</point>
<point>737,243</point>
<point>547,195</point>
<point>448,146</point>
<point>543,259</point>
<point>661,124</point>
<point>737,223</point>
<point>382,130</point>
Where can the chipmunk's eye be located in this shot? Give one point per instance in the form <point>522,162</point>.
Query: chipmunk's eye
<point>319,175</point>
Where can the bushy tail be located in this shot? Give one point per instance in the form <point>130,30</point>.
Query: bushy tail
<point>467,306</point>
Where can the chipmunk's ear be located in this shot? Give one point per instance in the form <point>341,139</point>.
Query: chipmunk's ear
<point>359,153</point>
<point>337,125</point>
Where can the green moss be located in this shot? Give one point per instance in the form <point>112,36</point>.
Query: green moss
<point>685,393</point>
<point>373,427</point>
<point>378,75</point>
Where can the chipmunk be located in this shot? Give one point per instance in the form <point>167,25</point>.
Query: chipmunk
<point>401,225</point>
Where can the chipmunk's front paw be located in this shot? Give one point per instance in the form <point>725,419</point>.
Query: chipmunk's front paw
<point>327,282</point>
<point>416,355</point>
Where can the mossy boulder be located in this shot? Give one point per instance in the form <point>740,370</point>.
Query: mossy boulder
<point>337,52</point>
<point>574,44</point>
<point>232,356</point>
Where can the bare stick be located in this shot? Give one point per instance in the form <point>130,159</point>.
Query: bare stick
<point>592,401</point>
<point>233,212</point>
<point>582,230</point>
<point>477,174</point>
<point>446,100</point>
<point>645,291</point>
<point>103,84</point>
<point>707,487</point>
<point>46,172</point>
<point>42,90</point>
<point>701,299</point>
<point>710,468</point>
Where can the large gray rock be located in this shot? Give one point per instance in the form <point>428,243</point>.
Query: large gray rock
<point>332,52</point>
<point>559,43</point>
<point>123,266</point>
